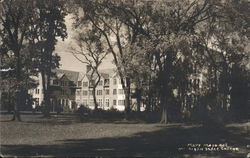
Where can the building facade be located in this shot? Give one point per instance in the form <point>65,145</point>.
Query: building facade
<point>70,90</point>
<point>109,91</point>
<point>62,93</point>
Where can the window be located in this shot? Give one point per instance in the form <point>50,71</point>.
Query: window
<point>114,81</point>
<point>37,91</point>
<point>121,102</point>
<point>114,91</point>
<point>78,92</point>
<point>99,92</point>
<point>85,102</point>
<point>79,83</point>
<point>107,102</point>
<point>64,83</point>
<point>114,102</point>
<point>90,92</point>
<point>107,91</point>
<point>55,82</point>
<point>100,83</point>
<point>99,102</point>
<point>91,83</point>
<point>120,81</point>
<point>85,92</point>
<point>85,84</point>
<point>106,82</point>
<point>91,102</point>
<point>121,91</point>
<point>37,101</point>
<point>70,83</point>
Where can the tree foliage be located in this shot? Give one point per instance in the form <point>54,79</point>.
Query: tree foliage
<point>29,31</point>
<point>178,42</point>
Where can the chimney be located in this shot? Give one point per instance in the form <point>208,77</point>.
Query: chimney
<point>88,68</point>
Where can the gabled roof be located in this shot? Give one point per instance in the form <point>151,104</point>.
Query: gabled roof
<point>81,76</point>
<point>71,75</point>
<point>105,73</point>
<point>59,75</point>
<point>78,76</point>
<point>94,76</point>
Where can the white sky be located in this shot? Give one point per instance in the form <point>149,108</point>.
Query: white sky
<point>68,61</point>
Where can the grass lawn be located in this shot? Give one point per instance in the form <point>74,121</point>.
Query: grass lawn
<point>66,135</point>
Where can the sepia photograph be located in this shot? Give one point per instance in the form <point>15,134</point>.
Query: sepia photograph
<point>125,78</point>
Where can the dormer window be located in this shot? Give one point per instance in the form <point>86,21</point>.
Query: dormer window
<point>106,82</point>
<point>55,82</point>
<point>91,83</point>
<point>114,81</point>
<point>100,83</point>
<point>71,83</point>
<point>79,83</point>
<point>85,84</point>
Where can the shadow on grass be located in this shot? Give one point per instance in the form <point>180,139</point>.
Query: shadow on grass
<point>166,142</point>
<point>68,118</point>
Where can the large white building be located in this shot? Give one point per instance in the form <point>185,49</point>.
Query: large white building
<point>109,91</point>
<point>72,89</point>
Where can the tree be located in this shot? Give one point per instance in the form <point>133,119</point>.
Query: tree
<point>171,31</point>
<point>15,21</point>
<point>225,40</point>
<point>45,31</point>
<point>141,74</point>
<point>103,15</point>
<point>174,35</point>
<point>91,47</point>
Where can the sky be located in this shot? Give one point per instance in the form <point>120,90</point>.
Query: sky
<point>68,61</point>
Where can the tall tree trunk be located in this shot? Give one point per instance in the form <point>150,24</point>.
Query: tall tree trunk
<point>164,112</point>
<point>16,113</point>
<point>44,91</point>
<point>94,97</point>
<point>149,104</point>
<point>127,97</point>
<point>95,85</point>
<point>138,100</point>
<point>46,100</point>
<point>127,104</point>
<point>47,97</point>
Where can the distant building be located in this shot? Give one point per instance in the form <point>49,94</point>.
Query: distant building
<point>63,87</point>
<point>109,92</point>
<point>70,89</point>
